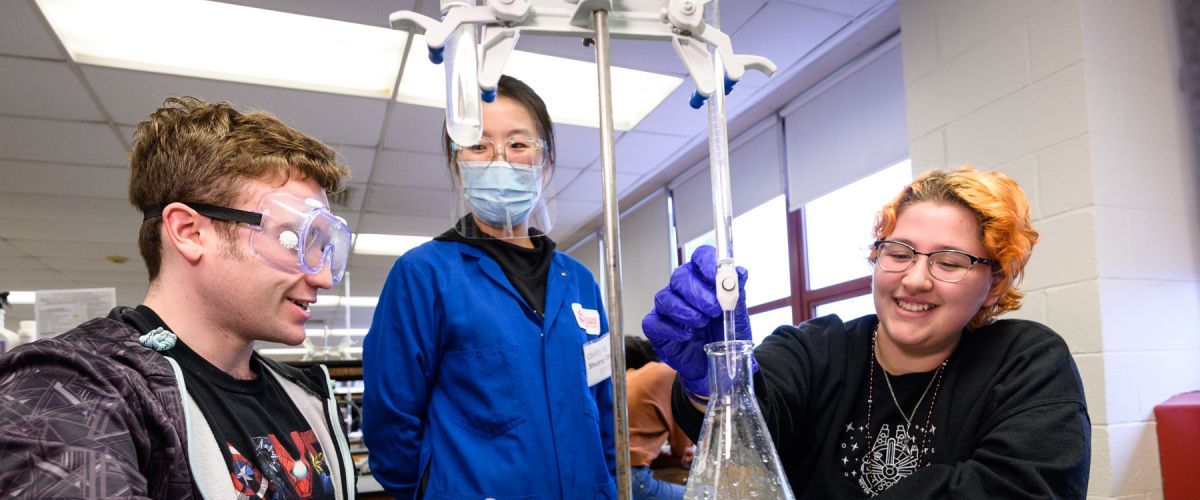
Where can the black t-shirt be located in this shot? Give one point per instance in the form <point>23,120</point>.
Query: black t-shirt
<point>526,268</point>
<point>268,445</point>
<point>900,446</point>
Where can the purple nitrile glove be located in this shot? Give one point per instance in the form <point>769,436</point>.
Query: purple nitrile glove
<point>686,316</point>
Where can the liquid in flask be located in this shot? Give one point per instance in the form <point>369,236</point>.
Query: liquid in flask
<point>735,458</point>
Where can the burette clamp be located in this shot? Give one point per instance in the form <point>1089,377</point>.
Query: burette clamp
<point>727,284</point>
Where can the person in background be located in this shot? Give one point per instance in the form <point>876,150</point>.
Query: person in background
<point>168,399</point>
<point>648,384</point>
<point>485,367</point>
<point>932,396</point>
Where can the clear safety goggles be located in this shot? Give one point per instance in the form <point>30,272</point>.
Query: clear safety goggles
<point>288,233</point>
<point>517,151</point>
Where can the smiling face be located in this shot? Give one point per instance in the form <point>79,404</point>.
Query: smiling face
<point>921,317</point>
<point>253,300</point>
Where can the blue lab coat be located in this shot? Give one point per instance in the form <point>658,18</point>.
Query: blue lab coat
<point>465,380</point>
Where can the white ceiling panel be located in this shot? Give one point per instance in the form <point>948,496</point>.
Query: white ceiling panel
<point>67,231</point>
<point>656,56</point>
<point>107,278</point>
<point>371,12</point>
<point>784,32</point>
<point>44,89</point>
<point>404,224</point>
<point>561,177</point>
<point>354,193</point>
<point>63,180</point>
<point>56,250</point>
<point>412,169</point>
<point>588,186</point>
<point>32,280</point>
<point>646,152</point>
<point>359,159</point>
<point>43,140</point>
<point>23,262</point>
<point>415,128</point>
<point>851,8</point>
<point>37,207</point>
<point>408,201</point>
<point>7,250</point>
<point>577,146</point>
<point>23,34</point>
<point>571,212</point>
<point>674,116</point>
<point>134,265</point>
<point>130,96</point>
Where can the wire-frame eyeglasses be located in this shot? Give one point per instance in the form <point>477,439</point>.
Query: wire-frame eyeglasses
<point>517,151</point>
<point>950,266</point>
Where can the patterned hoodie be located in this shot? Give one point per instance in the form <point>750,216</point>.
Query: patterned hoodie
<point>93,413</point>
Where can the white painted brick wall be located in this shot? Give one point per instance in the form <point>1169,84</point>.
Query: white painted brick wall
<point>1078,100</point>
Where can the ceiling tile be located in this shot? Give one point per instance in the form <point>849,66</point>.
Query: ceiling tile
<point>105,279</point>
<point>853,8</point>
<point>656,56</point>
<point>409,201</point>
<point>99,264</point>
<point>63,180</point>
<point>354,195</point>
<point>415,128</point>
<point>80,250</point>
<point>645,152</point>
<point>359,159</point>
<point>130,96</point>
<point>44,89</point>
<point>577,147</point>
<point>37,207</point>
<point>8,250</point>
<point>562,177</point>
<point>67,231</point>
<point>370,12</point>
<point>588,186</point>
<point>23,263</point>
<point>404,224</point>
<point>33,280</point>
<point>23,34</point>
<point>411,169</point>
<point>572,212</point>
<point>785,32</point>
<point>60,142</point>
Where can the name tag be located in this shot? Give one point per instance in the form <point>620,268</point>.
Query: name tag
<point>598,356</point>
<point>588,319</point>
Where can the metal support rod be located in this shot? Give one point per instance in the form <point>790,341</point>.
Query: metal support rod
<point>612,253</point>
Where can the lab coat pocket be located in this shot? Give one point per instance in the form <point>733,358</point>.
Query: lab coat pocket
<point>486,395</point>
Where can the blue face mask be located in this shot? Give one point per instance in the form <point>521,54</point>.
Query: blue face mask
<point>500,194</point>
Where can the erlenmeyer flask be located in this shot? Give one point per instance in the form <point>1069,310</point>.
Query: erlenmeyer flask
<point>735,458</point>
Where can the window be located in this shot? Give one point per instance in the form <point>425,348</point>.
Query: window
<point>836,232</point>
<point>760,244</point>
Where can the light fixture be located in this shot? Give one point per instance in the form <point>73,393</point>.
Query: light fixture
<point>568,86</point>
<point>25,298</point>
<point>229,42</point>
<point>386,244</point>
<point>352,301</point>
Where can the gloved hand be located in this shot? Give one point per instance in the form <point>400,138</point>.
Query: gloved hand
<point>686,316</point>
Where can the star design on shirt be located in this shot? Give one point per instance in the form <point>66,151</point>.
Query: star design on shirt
<point>933,429</point>
<point>244,473</point>
<point>845,460</point>
<point>854,446</point>
<point>850,427</point>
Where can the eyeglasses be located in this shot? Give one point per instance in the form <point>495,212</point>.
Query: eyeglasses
<point>518,151</point>
<point>288,233</point>
<point>950,266</point>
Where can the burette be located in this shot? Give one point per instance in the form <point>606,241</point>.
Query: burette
<point>491,28</point>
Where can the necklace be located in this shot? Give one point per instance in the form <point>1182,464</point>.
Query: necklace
<point>878,477</point>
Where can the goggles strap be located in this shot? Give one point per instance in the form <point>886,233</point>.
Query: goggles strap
<point>210,211</point>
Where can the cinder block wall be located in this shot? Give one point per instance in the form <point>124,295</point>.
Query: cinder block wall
<point>1080,102</point>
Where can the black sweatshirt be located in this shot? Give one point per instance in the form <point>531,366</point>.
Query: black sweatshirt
<point>1010,416</point>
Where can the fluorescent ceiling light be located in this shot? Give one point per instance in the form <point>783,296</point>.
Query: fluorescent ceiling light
<point>352,301</point>
<point>230,42</point>
<point>568,86</point>
<point>386,244</point>
<point>15,298</point>
<point>336,332</point>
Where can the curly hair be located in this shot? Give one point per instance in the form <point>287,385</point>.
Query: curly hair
<point>1002,211</point>
<point>189,150</point>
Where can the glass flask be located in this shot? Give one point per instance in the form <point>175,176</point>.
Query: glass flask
<point>735,458</point>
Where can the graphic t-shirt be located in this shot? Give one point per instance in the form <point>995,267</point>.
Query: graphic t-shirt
<point>269,447</point>
<point>895,448</point>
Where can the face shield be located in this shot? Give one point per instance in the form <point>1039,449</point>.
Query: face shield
<point>502,185</point>
<point>289,233</point>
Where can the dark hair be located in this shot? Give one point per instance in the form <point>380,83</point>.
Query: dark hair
<point>517,90</point>
<point>189,150</point>
<point>638,352</point>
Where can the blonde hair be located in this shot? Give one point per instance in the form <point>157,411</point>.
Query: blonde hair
<point>1002,211</point>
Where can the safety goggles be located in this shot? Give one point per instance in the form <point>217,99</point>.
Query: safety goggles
<point>288,233</point>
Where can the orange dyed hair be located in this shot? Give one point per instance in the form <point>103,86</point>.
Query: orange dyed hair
<point>1000,208</point>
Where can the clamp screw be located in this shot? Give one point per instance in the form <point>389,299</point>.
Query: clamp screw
<point>688,7</point>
